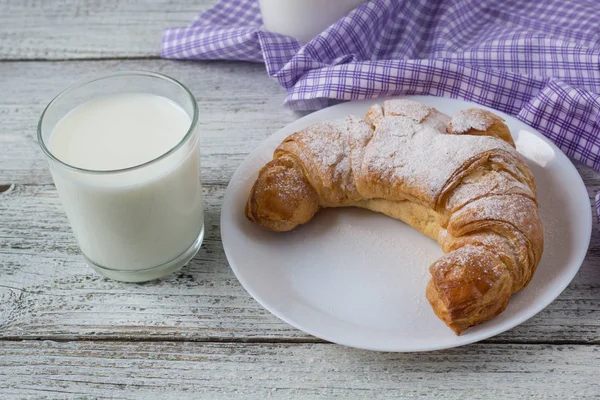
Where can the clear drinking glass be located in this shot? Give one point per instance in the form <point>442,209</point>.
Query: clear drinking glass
<point>138,223</point>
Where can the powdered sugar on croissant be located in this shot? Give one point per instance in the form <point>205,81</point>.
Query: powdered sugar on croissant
<point>458,180</point>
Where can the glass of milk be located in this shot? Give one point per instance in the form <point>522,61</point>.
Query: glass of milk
<point>124,155</point>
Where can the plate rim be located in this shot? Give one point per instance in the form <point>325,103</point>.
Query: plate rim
<point>528,314</point>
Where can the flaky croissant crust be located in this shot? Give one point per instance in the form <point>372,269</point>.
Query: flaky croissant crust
<point>458,180</point>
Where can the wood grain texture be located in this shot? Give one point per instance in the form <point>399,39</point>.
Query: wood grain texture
<point>46,290</point>
<point>79,29</point>
<point>293,371</point>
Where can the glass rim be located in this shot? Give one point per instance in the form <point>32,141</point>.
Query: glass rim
<point>188,134</point>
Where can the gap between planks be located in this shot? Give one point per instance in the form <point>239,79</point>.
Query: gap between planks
<point>305,340</point>
<point>74,59</point>
<point>174,339</point>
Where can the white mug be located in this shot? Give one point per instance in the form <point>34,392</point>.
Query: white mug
<point>304,19</point>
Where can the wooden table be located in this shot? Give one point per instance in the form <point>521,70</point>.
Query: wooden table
<point>67,332</point>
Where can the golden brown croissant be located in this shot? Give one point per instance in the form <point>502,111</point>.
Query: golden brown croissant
<point>459,181</point>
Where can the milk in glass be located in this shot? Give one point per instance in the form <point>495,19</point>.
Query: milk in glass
<point>148,210</point>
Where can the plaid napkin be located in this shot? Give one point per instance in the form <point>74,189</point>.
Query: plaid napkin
<point>539,61</point>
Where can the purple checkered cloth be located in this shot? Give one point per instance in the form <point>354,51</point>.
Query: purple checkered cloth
<point>536,60</point>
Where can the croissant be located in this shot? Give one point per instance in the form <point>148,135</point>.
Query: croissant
<point>458,180</point>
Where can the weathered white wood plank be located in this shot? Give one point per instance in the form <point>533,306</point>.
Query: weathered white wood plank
<point>239,104</point>
<point>119,370</point>
<point>47,291</point>
<point>76,29</point>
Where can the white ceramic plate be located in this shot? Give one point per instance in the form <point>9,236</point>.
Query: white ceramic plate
<point>358,278</point>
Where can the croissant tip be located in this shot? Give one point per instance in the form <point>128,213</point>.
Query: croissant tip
<point>458,331</point>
